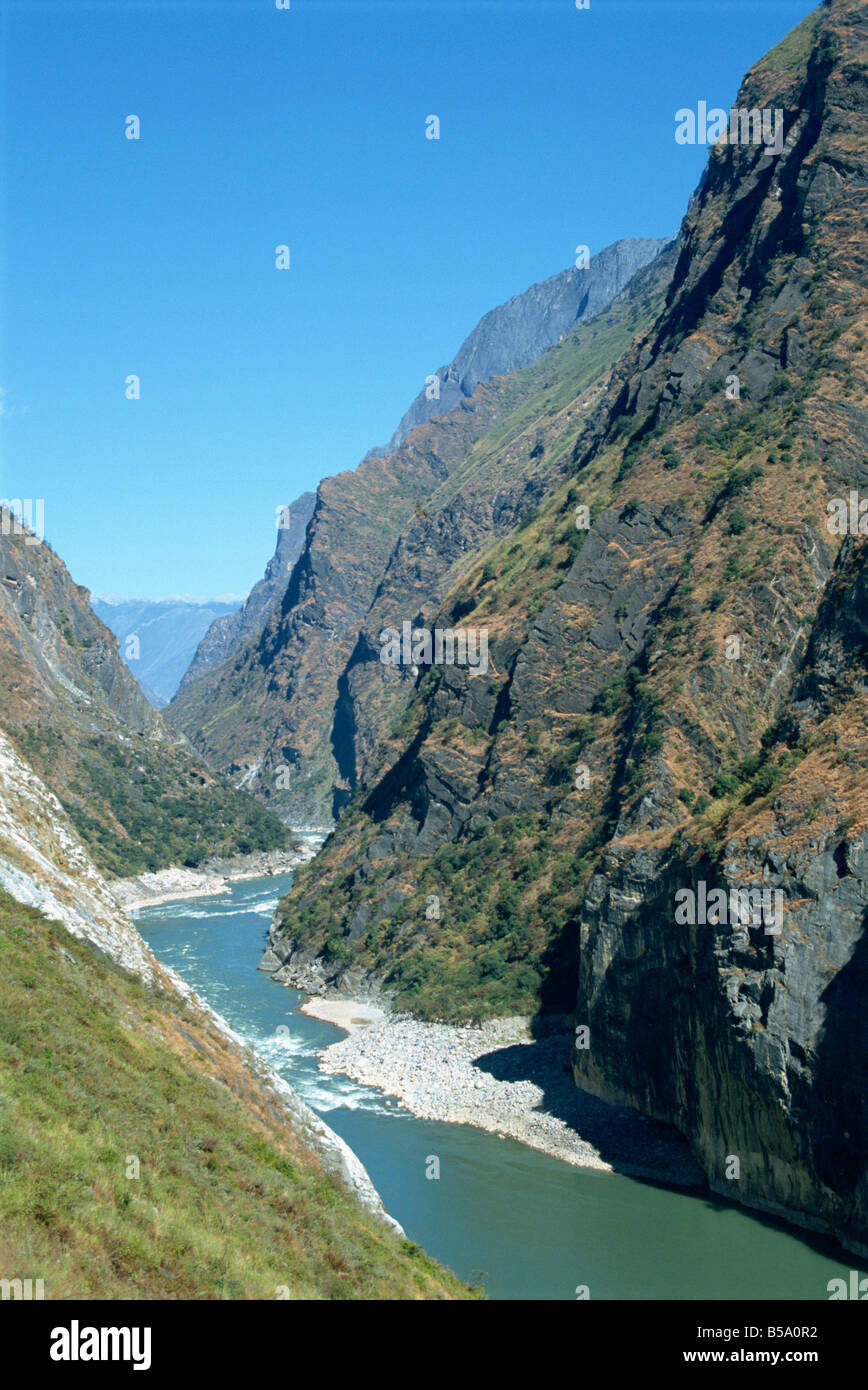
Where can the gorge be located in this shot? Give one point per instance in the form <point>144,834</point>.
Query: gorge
<point>611,645</point>
<point>536,757</point>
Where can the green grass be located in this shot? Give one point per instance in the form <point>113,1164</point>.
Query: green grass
<point>97,1069</point>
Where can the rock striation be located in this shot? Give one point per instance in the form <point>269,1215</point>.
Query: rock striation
<point>294,714</point>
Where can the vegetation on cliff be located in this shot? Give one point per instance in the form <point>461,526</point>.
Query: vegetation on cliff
<point>708,514</point>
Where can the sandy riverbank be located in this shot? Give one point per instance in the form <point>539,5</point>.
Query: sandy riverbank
<point>498,1078</point>
<point>346,1014</point>
<point>212,878</point>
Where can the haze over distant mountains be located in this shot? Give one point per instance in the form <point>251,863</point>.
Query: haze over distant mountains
<point>168,631</point>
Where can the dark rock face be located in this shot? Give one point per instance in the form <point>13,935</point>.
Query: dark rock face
<point>229,631</point>
<point>518,332</point>
<point>703,655</point>
<point>755,1043</point>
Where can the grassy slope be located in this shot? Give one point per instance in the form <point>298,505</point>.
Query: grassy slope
<point>95,1067</point>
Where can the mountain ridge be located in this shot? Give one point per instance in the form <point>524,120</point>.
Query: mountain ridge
<point>519,331</point>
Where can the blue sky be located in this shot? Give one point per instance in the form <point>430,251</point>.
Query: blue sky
<point>261,127</point>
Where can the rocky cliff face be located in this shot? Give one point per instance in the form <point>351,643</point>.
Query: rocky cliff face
<point>230,631</point>
<point>296,714</point>
<point>45,865</point>
<point>752,1038</point>
<point>518,332</point>
<point>264,715</point>
<point>673,701</point>
<point>504,478</point>
<point>137,795</point>
<point>54,648</point>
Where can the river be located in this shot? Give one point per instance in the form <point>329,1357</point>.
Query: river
<point>526,1225</point>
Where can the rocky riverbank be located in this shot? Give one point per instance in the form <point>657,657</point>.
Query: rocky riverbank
<point>212,877</point>
<point>499,1078</point>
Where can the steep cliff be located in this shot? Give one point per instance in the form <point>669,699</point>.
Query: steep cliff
<point>230,631</point>
<point>754,1041</point>
<point>138,796</point>
<point>672,700</point>
<point>518,332</point>
<point>293,716</point>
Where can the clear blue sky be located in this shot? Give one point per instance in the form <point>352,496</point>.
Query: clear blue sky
<point>305,127</point>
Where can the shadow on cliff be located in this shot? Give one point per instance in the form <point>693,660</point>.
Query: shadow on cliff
<point>836,1105</point>
<point>632,1143</point>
